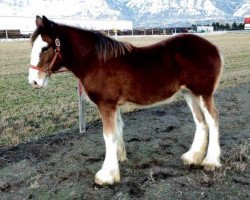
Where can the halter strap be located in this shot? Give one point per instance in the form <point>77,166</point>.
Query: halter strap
<point>48,69</point>
<point>38,68</point>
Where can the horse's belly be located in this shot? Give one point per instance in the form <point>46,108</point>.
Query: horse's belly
<point>148,103</point>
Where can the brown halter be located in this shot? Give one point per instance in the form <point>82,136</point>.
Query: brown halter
<point>48,69</point>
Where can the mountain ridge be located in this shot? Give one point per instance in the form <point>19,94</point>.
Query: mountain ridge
<point>143,13</point>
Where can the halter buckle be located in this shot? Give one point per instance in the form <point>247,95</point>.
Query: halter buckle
<point>57,42</point>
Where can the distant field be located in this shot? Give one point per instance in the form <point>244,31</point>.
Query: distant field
<point>27,114</point>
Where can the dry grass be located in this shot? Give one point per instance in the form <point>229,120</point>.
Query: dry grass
<point>27,114</point>
<point>234,161</point>
<point>237,158</point>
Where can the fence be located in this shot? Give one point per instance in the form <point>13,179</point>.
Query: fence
<point>15,33</point>
<point>11,34</point>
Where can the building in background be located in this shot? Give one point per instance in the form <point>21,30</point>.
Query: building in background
<point>26,25</point>
<point>247,22</point>
<point>205,29</point>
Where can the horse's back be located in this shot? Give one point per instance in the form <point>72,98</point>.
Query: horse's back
<point>171,52</point>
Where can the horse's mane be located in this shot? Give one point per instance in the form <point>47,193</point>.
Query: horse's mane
<point>105,47</point>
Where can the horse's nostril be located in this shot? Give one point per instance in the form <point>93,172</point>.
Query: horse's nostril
<point>35,83</point>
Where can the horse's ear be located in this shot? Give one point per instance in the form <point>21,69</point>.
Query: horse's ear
<point>42,21</point>
<point>39,21</point>
<point>45,21</point>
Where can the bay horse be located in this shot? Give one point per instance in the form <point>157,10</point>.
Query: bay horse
<point>114,73</point>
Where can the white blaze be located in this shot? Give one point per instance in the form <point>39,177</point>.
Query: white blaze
<point>33,78</point>
<point>36,50</point>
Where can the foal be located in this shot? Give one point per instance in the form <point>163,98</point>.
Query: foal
<point>115,73</point>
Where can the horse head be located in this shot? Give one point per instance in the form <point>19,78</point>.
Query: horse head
<point>45,54</point>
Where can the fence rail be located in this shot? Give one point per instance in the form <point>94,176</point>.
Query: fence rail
<point>14,34</point>
<point>8,34</point>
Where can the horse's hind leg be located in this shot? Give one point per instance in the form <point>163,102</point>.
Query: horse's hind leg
<point>109,173</point>
<point>121,151</point>
<point>197,151</point>
<point>212,159</point>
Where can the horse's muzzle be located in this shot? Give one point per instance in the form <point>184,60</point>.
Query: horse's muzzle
<point>35,85</point>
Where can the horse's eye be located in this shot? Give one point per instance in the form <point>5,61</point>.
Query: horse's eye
<point>44,49</point>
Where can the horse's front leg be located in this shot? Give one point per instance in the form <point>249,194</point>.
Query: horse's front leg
<point>109,173</point>
<point>121,150</point>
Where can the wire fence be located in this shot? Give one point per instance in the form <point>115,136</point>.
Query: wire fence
<point>8,34</point>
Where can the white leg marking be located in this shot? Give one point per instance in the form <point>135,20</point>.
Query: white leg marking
<point>197,152</point>
<point>212,159</point>
<point>121,151</point>
<point>109,174</point>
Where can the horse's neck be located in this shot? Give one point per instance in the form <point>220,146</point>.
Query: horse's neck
<point>78,52</point>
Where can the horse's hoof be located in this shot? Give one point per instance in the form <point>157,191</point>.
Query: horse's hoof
<point>106,177</point>
<point>192,158</point>
<point>210,165</point>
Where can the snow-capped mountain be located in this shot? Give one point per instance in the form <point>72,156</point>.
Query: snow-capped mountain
<point>243,9</point>
<point>96,9</point>
<point>144,13</point>
<point>172,11</point>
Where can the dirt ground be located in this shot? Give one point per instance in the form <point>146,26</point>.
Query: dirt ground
<point>63,166</point>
